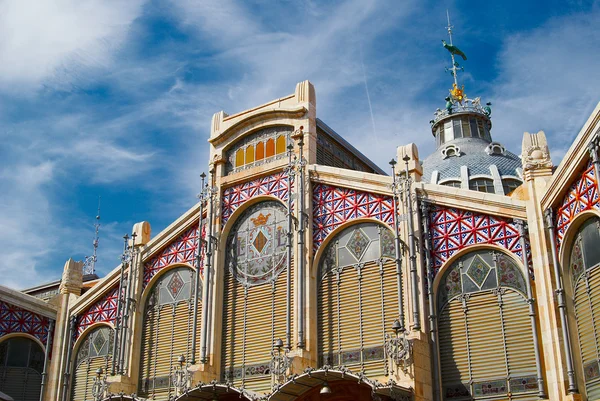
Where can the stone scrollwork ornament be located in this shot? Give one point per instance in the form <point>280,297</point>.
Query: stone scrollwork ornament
<point>535,153</point>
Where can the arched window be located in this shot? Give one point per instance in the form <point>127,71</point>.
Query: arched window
<point>21,366</point>
<point>452,183</point>
<point>482,185</point>
<point>585,278</point>
<point>485,342</point>
<point>95,352</point>
<point>167,331</point>
<point>510,184</point>
<point>262,146</point>
<point>255,294</point>
<point>357,298</point>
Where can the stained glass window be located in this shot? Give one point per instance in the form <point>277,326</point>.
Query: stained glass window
<point>260,147</point>
<point>97,343</point>
<point>360,243</point>
<point>479,271</point>
<point>173,287</point>
<point>256,247</point>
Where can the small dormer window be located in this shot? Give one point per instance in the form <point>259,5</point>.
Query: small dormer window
<point>495,148</point>
<point>450,150</point>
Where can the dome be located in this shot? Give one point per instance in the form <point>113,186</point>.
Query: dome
<point>476,154</point>
<point>466,155</point>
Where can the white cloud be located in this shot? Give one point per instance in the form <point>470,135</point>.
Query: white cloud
<point>45,42</point>
<point>548,81</point>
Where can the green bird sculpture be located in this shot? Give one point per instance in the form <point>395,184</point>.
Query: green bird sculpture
<point>454,50</point>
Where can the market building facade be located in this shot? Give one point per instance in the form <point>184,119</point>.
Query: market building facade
<point>306,272</point>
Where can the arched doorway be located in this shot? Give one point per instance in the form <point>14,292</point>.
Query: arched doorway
<point>338,385</point>
<point>21,367</point>
<point>486,345</point>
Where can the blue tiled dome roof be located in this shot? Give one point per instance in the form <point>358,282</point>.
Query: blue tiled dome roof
<point>473,155</point>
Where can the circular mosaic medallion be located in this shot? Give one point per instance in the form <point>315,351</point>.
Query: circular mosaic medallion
<point>256,247</point>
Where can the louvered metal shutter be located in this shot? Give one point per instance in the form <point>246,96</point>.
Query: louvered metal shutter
<point>587,311</point>
<point>255,353</point>
<point>519,336</point>
<point>454,352</point>
<point>83,378</point>
<point>366,304</point>
<point>22,384</point>
<point>166,336</point>
<point>485,338</point>
<point>487,342</point>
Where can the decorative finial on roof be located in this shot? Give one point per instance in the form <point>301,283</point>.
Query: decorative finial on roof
<point>456,92</point>
<point>457,101</point>
<point>89,265</point>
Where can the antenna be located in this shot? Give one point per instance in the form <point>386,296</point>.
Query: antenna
<point>89,266</point>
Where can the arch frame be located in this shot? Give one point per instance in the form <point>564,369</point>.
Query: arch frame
<point>215,388</point>
<point>312,378</point>
<point>217,301</point>
<point>571,233</point>
<point>564,260</point>
<point>24,335</point>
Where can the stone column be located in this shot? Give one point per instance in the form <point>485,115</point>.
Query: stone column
<point>69,291</point>
<point>537,172</point>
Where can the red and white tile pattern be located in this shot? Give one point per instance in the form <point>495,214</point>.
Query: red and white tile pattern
<point>454,229</point>
<point>333,206</point>
<point>582,195</point>
<point>14,319</point>
<point>233,197</point>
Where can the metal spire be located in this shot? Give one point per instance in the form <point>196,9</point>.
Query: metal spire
<point>455,66</point>
<point>89,266</point>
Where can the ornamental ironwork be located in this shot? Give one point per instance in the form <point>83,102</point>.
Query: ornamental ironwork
<point>398,348</point>
<point>181,376</point>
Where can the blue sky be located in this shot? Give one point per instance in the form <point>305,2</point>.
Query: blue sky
<point>114,98</point>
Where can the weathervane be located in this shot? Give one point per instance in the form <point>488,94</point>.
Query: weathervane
<point>89,265</point>
<point>456,93</point>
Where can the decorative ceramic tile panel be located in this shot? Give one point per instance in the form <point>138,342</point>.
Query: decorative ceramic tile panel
<point>453,230</point>
<point>582,195</point>
<point>235,196</point>
<point>333,206</point>
<point>14,319</point>
<point>181,250</point>
<point>104,310</point>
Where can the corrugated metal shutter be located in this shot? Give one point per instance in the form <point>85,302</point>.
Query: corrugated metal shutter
<point>260,333</point>
<point>488,344</point>
<point>587,311</point>
<point>83,378</point>
<point>485,337</point>
<point>22,384</point>
<point>519,336</point>
<point>377,311</point>
<point>166,336</point>
<point>454,352</point>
